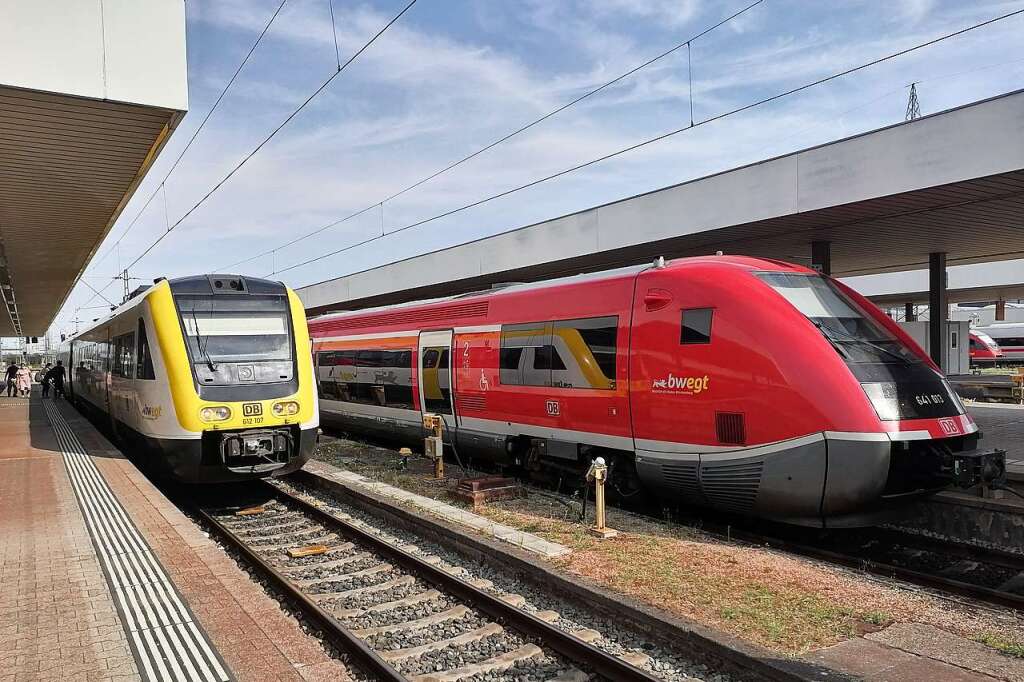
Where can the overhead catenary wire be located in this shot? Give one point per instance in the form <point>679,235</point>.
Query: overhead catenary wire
<point>97,292</point>
<point>195,134</point>
<point>658,138</point>
<point>273,133</point>
<point>508,136</point>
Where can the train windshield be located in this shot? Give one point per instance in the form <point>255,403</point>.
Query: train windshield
<point>229,329</point>
<point>856,337</point>
<point>897,383</point>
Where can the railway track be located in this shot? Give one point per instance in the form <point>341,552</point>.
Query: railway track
<point>985,575</point>
<point>989,576</point>
<point>401,613</point>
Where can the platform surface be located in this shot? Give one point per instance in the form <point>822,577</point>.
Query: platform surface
<point>62,618</point>
<point>1002,426</point>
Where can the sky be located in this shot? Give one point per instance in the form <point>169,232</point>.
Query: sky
<point>452,76</point>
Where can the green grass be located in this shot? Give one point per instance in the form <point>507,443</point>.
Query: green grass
<point>1001,643</point>
<point>875,618</point>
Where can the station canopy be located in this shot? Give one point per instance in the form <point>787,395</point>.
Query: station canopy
<point>950,182</point>
<point>89,94</point>
<point>67,168</point>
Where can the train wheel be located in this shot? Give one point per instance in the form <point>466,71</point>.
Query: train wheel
<point>623,481</point>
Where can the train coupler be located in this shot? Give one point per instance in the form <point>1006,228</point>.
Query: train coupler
<point>260,450</point>
<point>979,467</point>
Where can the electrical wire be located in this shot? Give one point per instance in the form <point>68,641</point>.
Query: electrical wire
<point>659,138</point>
<point>195,134</point>
<point>272,134</point>
<point>507,136</point>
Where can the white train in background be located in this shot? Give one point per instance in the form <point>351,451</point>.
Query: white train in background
<point>1009,336</point>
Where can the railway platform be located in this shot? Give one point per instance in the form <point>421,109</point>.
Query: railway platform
<point>998,522</point>
<point>1003,427</point>
<point>103,578</point>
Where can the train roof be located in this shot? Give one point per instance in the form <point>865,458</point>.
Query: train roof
<point>746,262</point>
<point>999,325</point>
<point>190,284</point>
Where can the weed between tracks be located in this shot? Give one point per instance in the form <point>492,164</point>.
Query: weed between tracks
<point>785,603</point>
<point>1002,643</point>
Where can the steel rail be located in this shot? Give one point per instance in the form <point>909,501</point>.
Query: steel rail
<point>580,652</point>
<point>571,647</point>
<point>364,655</point>
<point>987,595</point>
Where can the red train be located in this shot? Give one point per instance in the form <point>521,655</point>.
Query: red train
<point>984,350</point>
<point>744,384</point>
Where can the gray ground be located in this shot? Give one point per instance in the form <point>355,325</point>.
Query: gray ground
<point>1002,426</point>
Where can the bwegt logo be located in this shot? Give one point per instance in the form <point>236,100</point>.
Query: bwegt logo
<point>684,385</point>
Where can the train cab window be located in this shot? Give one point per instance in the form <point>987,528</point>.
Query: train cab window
<point>696,326</point>
<point>973,344</point>
<point>144,366</point>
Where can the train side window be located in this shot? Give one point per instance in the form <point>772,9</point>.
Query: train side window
<point>369,377</point>
<point>436,380</point>
<point>547,357</point>
<point>144,368</point>
<point>588,347</point>
<point>508,359</point>
<point>124,355</point>
<point>519,341</point>
<point>696,326</point>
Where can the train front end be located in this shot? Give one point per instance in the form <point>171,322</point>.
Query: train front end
<point>241,379</point>
<point>911,434</point>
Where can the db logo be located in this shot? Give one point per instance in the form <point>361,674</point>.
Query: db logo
<point>252,409</point>
<point>949,427</point>
<point>552,408</point>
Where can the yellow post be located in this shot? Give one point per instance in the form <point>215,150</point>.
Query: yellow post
<point>433,445</point>
<point>598,473</point>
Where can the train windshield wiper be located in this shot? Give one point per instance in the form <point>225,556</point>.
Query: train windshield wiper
<point>203,353</point>
<point>844,336</point>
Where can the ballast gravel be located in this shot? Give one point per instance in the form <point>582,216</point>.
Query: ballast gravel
<point>401,614</point>
<point>403,639</point>
<point>456,657</point>
<point>614,639</point>
<point>316,572</point>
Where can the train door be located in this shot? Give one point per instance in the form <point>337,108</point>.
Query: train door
<point>435,375</point>
<point>671,375</point>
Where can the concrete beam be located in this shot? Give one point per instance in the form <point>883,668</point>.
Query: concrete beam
<point>883,200</point>
<point>938,308</point>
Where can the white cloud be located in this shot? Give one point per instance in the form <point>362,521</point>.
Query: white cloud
<point>425,95</point>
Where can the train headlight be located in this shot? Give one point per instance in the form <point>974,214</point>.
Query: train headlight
<point>286,408</point>
<point>885,399</point>
<point>215,414</point>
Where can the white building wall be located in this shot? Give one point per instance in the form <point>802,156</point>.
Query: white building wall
<point>123,50</point>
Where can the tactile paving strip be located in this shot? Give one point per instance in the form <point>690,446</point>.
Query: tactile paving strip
<point>167,643</point>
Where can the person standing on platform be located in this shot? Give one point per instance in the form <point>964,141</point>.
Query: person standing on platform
<point>43,378</point>
<point>12,377</point>
<point>24,381</point>
<point>56,375</point>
